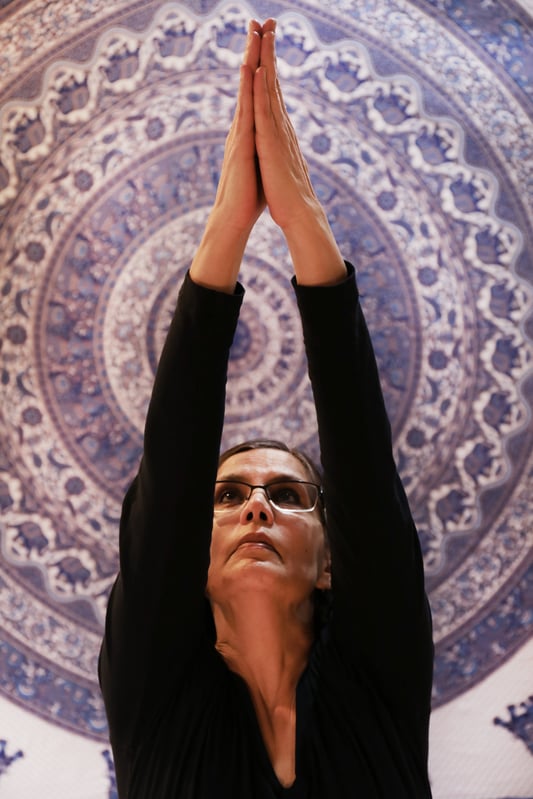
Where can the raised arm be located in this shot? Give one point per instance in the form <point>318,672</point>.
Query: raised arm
<point>381,615</point>
<point>156,616</point>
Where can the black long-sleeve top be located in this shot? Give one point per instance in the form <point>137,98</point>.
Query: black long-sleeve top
<point>182,725</point>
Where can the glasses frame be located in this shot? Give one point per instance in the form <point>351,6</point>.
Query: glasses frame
<point>265,488</point>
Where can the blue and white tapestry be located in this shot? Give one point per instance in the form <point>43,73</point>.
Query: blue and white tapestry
<point>416,117</point>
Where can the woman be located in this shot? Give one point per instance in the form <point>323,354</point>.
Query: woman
<point>219,679</point>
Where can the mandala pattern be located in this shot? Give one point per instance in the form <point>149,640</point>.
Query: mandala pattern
<point>109,161</point>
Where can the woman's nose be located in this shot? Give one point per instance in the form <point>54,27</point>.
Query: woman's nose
<point>257,506</point>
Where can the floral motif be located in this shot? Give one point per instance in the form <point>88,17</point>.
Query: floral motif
<point>7,760</point>
<point>106,175</point>
<point>520,722</point>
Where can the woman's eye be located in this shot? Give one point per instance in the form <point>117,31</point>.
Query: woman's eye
<point>286,496</point>
<point>229,496</point>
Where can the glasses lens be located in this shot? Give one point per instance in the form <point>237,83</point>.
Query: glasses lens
<point>289,495</point>
<point>230,495</point>
<point>293,495</point>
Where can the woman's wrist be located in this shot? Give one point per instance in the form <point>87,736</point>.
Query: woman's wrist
<point>218,259</point>
<point>315,254</point>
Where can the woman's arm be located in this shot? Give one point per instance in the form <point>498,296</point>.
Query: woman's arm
<point>380,620</point>
<point>381,612</point>
<point>156,616</point>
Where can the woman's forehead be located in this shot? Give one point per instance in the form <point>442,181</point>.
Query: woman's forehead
<point>263,464</point>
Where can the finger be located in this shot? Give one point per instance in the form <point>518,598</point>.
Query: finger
<point>268,60</point>
<point>244,114</point>
<point>268,49</point>
<point>268,63</point>
<point>252,50</point>
<point>261,99</point>
<point>269,25</point>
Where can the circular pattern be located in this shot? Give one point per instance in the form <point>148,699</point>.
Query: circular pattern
<point>249,342</point>
<point>106,178</point>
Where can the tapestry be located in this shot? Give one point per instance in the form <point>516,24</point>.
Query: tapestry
<point>416,118</point>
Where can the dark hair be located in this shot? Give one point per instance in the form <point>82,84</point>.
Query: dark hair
<point>322,598</point>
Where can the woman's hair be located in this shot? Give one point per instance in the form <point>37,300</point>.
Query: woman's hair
<point>322,599</point>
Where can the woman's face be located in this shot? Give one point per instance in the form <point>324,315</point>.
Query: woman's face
<point>258,547</point>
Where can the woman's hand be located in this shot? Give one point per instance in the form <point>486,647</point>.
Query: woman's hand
<point>287,186</point>
<point>240,198</point>
<point>263,164</point>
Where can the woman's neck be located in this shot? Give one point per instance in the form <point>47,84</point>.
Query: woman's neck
<point>267,645</point>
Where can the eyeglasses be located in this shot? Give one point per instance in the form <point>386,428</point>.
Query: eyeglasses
<point>289,496</point>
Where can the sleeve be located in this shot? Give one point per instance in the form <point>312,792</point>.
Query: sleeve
<point>380,611</point>
<point>156,616</point>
